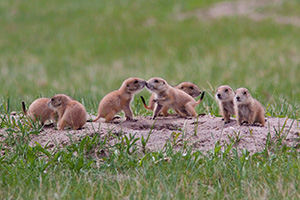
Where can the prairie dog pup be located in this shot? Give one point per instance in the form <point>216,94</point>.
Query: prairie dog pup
<point>188,87</point>
<point>170,97</point>
<point>70,112</point>
<point>248,109</point>
<point>120,99</point>
<point>225,98</point>
<point>39,110</point>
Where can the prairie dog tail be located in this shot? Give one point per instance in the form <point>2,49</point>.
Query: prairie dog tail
<point>199,101</point>
<point>24,108</point>
<point>25,113</point>
<point>144,103</point>
<point>91,120</point>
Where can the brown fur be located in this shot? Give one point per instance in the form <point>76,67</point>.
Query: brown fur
<point>188,87</point>
<point>225,98</point>
<point>248,109</point>
<point>39,110</point>
<point>118,100</point>
<point>168,96</point>
<point>70,112</point>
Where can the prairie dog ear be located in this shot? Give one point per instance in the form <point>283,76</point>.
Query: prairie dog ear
<point>163,82</point>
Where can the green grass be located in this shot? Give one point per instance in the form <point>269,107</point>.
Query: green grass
<point>284,8</point>
<point>87,48</point>
<point>93,169</point>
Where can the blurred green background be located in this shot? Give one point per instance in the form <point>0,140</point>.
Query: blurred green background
<point>87,48</point>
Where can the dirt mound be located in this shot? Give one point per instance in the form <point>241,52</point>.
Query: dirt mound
<point>201,133</point>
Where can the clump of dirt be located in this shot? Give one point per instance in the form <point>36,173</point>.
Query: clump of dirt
<point>200,134</point>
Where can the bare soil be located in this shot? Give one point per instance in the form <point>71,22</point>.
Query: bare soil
<point>246,8</point>
<point>201,134</point>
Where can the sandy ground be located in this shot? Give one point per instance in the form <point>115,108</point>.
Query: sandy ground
<point>200,135</point>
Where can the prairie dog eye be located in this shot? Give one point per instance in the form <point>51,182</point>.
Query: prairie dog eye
<point>191,87</point>
<point>245,92</point>
<point>226,90</point>
<point>155,81</point>
<point>52,99</point>
<point>136,81</point>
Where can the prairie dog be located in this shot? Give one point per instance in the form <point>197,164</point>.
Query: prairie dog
<point>168,96</point>
<point>225,98</point>
<point>39,110</point>
<point>248,109</point>
<point>188,87</point>
<point>70,112</point>
<point>118,100</point>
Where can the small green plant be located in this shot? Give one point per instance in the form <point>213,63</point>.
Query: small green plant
<point>236,137</point>
<point>175,138</point>
<point>145,141</point>
<point>281,133</point>
<point>130,143</point>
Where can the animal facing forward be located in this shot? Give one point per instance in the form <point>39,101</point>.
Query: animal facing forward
<point>248,109</point>
<point>118,100</point>
<point>39,111</point>
<point>225,98</point>
<point>170,97</point>
<point>188,87</point>
<point>70,112</point>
